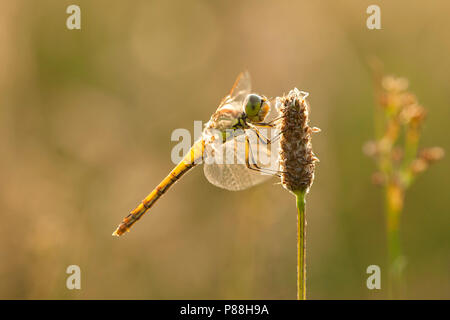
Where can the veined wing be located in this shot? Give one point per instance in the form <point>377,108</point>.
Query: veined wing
<point>226,167</point>
<point>241,88</point>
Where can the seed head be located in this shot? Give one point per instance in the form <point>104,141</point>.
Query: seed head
<point>398,159</point>
<point>432,154</point>
<point>297,159</point>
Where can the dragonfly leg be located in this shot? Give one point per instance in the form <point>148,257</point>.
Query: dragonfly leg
<point>269,124</point>
<point>260,136</point>
<point>252,165</point>
<point>264,125</point>
<point>278,135</point>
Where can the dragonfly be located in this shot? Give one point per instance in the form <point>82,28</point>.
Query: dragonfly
<point>230,147</point>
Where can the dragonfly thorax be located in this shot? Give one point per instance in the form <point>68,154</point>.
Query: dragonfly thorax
<point>226,117</point>
<point>231,116</point>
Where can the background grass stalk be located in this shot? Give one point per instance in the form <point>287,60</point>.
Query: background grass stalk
<point>399,162</point>
<point>301,245</point>
<point>394,206</point>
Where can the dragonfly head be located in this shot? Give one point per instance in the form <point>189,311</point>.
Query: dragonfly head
<point>256,107</point>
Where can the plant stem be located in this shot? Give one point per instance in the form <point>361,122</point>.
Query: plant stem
<point>394,207</point>
<point>301,245</point>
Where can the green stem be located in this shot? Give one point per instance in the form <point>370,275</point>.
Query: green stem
<point>301,245</point>
<point>394,207</point>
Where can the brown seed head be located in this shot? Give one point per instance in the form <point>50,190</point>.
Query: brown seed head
<point>431,155</point>
<point>397,154</point>
<point>378,178</point>
<point>371,149</point>
<point>412,114</point>
<point>394,84</point>
<point>297,160</point>
<point>419,166</point>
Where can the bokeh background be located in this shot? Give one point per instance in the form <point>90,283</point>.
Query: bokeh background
<point>85,124</point>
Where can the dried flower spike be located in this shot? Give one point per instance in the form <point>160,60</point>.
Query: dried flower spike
<point>297,159</point>
<point>297,164</point>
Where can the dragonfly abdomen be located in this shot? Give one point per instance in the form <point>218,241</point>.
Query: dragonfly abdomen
<point>188,162</point>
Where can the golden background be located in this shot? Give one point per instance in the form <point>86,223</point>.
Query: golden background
<point>85,123</point>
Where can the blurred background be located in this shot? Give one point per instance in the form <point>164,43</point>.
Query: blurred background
<point>86,118</point>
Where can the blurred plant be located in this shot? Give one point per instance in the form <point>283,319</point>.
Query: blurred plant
<point>399,119</point>
<point>297,165</point>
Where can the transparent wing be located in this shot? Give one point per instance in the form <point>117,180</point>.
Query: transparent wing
<point>240,90</point>
<point>242,87</point>
<point>225,163</point>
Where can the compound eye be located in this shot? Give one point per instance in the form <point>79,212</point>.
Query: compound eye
<point>253,105</point>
